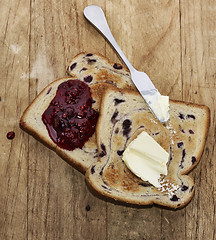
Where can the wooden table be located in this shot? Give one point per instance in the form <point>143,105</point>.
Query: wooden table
<point>41,196</point>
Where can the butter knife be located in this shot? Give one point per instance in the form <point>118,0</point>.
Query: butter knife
<point>158,104</point>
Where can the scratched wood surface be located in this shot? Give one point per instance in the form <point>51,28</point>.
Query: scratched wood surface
<point>41,196</point>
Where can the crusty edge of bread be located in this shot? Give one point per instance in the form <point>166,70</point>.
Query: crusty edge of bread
<point>106,195</point>
<point>111,63</point>
<point>37,136</point>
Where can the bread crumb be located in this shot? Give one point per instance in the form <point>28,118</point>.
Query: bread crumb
<point>166,220</point>
<point>171,131</point>
<point>152,120</point>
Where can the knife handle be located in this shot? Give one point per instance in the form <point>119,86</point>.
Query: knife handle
<point>95,15</point>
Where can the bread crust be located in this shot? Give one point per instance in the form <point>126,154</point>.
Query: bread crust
<point>106,196</point>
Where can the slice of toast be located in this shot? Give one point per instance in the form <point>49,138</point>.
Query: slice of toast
<point>31,122</point>
<point>125,115</point>
<point>98,73</point>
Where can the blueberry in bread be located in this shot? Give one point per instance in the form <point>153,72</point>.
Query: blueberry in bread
<point>125,115</point>
<point>67,124</point>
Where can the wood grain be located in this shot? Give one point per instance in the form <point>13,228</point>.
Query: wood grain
<point>42,197</point>
<point>14,45</point>
<point>198,68</point>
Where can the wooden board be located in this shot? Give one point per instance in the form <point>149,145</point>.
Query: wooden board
<point>42,197</point>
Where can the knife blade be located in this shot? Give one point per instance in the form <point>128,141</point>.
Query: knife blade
<point>158,104</point>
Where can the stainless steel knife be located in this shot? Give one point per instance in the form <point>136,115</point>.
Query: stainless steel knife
<point>158,104</point>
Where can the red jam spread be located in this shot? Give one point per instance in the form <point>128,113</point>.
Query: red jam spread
<point>70,118</point>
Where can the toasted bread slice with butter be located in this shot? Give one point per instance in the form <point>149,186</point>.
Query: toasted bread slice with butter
<point>123,115</point>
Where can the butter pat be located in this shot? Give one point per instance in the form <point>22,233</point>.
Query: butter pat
<point>160,104</point>
<point>146,158</point>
